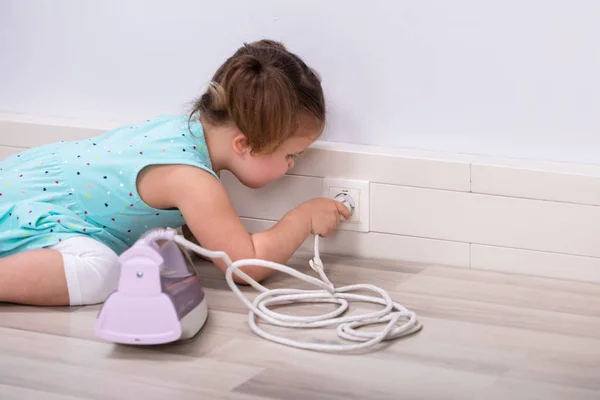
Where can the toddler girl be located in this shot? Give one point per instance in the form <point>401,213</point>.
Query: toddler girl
<point>68,209</point>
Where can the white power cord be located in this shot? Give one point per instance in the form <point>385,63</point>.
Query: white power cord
<point>400,321</point>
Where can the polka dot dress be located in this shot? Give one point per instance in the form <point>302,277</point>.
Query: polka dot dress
<point>88,187</point>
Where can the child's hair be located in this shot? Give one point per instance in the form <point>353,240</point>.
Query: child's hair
<point>264,90</point>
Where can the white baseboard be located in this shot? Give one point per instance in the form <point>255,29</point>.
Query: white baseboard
<point>517,216</point>
<point>383,246</point>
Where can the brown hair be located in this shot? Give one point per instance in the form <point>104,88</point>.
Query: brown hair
<point>264,90</point>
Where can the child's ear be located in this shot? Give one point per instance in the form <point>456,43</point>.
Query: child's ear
<point>240,144</point>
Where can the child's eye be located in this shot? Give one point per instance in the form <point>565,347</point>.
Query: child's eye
<point>294,156</point>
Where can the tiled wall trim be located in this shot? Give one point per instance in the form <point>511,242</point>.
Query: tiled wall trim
<point>518,216</point>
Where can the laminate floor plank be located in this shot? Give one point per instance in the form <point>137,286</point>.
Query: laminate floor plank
<point>485,336</point>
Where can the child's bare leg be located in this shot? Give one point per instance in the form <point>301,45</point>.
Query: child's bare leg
<point>77,271</point>
<point>34,277</point>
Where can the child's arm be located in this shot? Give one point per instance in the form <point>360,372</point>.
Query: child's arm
<point>211,218</point>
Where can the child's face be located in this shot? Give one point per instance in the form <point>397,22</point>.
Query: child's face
<point>255,171</point>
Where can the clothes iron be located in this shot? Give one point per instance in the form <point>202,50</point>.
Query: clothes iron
<point>159,299</point>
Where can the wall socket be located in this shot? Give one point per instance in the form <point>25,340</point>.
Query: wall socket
<point>359,191</point>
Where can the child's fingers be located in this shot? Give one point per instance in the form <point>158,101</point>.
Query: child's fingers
<point>342,209</point>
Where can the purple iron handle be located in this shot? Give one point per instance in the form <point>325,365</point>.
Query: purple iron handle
<point>147,308</point>
<point>175,259</point>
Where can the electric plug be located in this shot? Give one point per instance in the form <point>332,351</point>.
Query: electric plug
<point>346,200</point>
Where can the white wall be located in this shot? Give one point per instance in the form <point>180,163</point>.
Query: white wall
<point>514,78</point>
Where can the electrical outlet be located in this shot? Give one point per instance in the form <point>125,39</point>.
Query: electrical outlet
<point>359,193</point>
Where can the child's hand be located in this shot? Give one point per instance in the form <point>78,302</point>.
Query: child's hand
<point>324,215</point>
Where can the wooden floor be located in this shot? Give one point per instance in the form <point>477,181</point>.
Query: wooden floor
<point>486,336</point>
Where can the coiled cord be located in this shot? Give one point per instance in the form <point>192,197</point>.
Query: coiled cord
<point>399,321</point>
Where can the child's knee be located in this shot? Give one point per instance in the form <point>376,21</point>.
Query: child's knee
<point>92,270</point>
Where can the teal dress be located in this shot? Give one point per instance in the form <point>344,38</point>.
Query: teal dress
<point>88,187</point>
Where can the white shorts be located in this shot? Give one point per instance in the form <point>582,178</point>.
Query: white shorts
<point>92,269</point>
